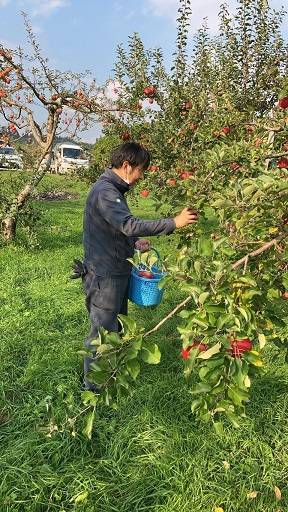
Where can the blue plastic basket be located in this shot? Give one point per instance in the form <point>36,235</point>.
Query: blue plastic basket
<point>143,291</point>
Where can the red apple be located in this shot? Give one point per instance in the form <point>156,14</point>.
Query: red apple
<point>226,130</point>
<point>54,97</point>
<point>188,105</point>
<point>238,347</point>
<point>282,163</point>
<point>201,346</point>
<point>146,274</point>
<point>249,128</point>
<point>234,166</point>
<point>185,352</point>
<point>285,295</point>
<point>125,136</point>
<point>144,193</point>
<point>258,142</point>
<point>171,182</point>
<point>283,102</point>
<point>153,168</point>
<point>185,175</point>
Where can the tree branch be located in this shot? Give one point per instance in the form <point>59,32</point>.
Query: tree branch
<point>235,265</point>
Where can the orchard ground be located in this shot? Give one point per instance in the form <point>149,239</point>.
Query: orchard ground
<point>150,454</point>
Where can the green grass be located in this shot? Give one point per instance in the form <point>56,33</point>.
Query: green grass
<point>150,455</point>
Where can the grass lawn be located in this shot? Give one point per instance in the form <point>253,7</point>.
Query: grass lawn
<point>150,455</point>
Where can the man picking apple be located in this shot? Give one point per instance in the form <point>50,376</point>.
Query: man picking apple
<point>110,237</point>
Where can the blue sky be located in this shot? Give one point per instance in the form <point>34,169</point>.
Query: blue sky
<point>83,34</point>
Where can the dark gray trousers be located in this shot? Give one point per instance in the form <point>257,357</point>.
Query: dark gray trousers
<point>106,297</point>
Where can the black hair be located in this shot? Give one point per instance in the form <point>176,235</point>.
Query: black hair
<point>131,152</point>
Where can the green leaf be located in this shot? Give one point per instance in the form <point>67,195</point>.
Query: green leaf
<point>104,348</point>
<point>128,324</point>
<point>196,404</point>
<point>133,368</point>
<point>200,387</point>
<point>80,498</point>
<point>218,428</point>
<point>88,397</point>
<point>237,395</point>
<point>202,297</point>
<point>122,381</point>
<point>244,313</point>
<point>89,420</point>
<point>184,313</point>
<point>223,320</point>
<point>151,354</point>
<point>214,308</point>
<point>249,294</point>
<point>222,203</point>
<point>205,246</point>
<point>197,267</point>
<point>273,293</point>
<point>232,418</point>
<point>210,352</point>
<point>262,340</point>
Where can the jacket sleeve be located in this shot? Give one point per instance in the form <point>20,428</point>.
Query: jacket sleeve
<point>113,209</point>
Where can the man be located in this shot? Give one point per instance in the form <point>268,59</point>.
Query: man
<point>110,236</point>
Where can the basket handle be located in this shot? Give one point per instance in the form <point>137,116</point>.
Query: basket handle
<point>157,254</point>
<point>159,261</point>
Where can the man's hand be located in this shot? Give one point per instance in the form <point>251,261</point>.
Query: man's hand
<point>143,245</point>
<point>186,217</point>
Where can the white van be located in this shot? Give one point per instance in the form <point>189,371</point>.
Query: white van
<point>10,159</point>
<point>66,157</point>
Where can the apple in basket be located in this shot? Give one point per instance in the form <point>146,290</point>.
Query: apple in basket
<point>146,274</point>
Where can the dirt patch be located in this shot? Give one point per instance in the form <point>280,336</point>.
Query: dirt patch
<point>57,196</point>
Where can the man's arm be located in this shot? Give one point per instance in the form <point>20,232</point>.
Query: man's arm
<point>114,210</point>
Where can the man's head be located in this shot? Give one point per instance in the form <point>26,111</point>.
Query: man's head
<point>129,161</point>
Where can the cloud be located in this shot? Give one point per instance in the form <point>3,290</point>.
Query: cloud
<point>39,7</point>
<point>167,8</point>
<point>46,7</point>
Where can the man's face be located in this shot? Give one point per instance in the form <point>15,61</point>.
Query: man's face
<point>133,174</point>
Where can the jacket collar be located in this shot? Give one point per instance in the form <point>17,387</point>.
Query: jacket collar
<point>120,184</point>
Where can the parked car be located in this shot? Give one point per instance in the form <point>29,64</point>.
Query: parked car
<point>10,159</point>
<point>66,157</point>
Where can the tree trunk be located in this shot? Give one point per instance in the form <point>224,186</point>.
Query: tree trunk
<point>9,228</point>
<point>9,223</point>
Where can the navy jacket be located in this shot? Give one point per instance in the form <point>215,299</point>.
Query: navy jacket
<point>110,230</point>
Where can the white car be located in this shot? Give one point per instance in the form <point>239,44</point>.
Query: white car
<point>66,157</point>
<point>10,159</point>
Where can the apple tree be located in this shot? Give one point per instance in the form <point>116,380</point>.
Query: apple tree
<point>43,103</point>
